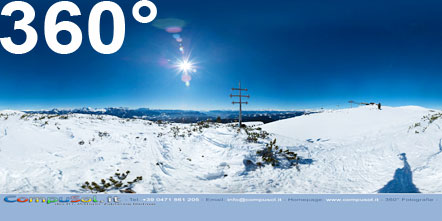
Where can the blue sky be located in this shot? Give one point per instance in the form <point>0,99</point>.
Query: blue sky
<point>290,54</point>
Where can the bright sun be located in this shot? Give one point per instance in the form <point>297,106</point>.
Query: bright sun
<point>185,66</point>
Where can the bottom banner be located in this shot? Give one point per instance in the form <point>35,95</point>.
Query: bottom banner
<point>222,207</point>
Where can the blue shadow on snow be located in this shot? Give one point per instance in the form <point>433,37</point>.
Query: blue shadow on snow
<point>402,181</point>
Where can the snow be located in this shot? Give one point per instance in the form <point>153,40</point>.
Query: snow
<point>359,150</point>
<point>347,123</point>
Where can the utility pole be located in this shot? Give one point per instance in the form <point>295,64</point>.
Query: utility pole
<point>351,103</point>
<point>240,100</point>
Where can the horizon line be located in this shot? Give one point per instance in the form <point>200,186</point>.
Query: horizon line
<point>335,107</point>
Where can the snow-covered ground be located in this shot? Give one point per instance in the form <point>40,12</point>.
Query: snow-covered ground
<point>360,150</point>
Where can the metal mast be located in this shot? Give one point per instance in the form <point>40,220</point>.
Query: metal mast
<point>240,100</point>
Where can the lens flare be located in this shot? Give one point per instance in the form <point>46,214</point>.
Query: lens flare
<point>185,66</point>
<point>174,30</point>
<point>186,78</point>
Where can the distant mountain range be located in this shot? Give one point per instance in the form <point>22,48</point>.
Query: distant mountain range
<point>180,116</point>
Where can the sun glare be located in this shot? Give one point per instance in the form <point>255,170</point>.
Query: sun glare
<point>185,66</point>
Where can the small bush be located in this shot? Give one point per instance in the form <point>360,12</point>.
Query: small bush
<point>273,155</point>
<point>175,131</point>
<point>434,117</point>
<point>103,134</point>
<point>115,182</point>
<point>425,123</point>
<point>53,116</point>
<point>189,132</point>
<point>200,126</point>
<point>204,124</point>
<point>253,136</point>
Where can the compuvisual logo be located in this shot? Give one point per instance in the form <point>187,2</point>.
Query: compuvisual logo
<point>67,199</point>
